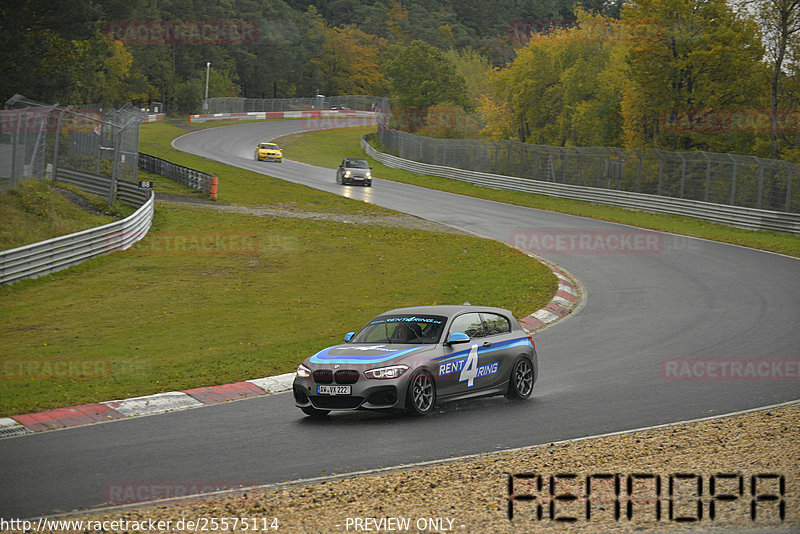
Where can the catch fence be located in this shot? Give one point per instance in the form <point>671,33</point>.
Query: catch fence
<point>729,179</point>
<point>38,140</point>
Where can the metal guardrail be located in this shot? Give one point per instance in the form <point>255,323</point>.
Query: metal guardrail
<point>739,216</point>
<point>55,254</point>
<point>197,180</point>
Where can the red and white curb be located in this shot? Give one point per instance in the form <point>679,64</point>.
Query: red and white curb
<point>17,425</point>
<point>567,299</point>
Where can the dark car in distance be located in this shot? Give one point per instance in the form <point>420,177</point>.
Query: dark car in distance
<point>354,171</point>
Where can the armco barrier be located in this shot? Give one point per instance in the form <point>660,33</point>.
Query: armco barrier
<point>59,253</point>
<point>742,217</point>
<point>197,180</point>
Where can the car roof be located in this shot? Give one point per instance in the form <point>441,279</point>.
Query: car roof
<point>448,310</point>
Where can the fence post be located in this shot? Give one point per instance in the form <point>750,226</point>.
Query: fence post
<point>621,173</point>
<point>660,170</point>
<point>14,150</point>
<point>638,170</point>
<point>708,175</point>
<point>760,180</point>
<point>788,187</point>
<point>683,172</point>
<point>43,158</point>
<point>55,148</point>
<point>112,190</point>
<point>733,179</point>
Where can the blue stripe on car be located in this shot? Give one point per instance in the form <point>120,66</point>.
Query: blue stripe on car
<point>324,356</point>
<point>522,342</point>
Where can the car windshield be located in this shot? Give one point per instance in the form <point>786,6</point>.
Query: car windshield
<point>405,329</point>
<point>356,164</point>
<point>269,146</point>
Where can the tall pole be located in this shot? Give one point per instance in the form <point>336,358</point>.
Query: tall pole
<point>208,71</point>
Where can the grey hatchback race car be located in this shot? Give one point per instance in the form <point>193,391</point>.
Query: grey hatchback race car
<point>354,171</point>
<point>415,358</point>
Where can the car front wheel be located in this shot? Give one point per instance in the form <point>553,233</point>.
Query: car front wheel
<point>421,395</point>
<point>520,383</point>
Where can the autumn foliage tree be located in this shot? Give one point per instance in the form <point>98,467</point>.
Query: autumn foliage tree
<point>420,76</point>
<point>703,58</point>
<point>564,88</point>
<point>349,62</point>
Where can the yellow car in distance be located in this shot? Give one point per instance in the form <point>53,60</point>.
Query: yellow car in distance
<point>269,152</point>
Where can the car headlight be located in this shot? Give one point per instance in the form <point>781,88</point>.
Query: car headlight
<point>347,174</point>
<point>303,371</point>
<point>383,373</point>
<point>369,174</point>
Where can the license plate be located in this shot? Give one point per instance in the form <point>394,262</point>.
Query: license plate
<point>333,390</point>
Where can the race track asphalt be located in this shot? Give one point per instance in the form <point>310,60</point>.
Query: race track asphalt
<point>602,370</point>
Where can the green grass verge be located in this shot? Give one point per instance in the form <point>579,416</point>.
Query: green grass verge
<point>327,147</point>
<point>33,212</point>
<point>209,298</point>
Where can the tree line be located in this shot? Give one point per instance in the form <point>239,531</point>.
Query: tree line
<point>673,74</point>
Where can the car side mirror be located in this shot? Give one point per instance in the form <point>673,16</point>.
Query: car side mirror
<point>370,166</point>
<point>457,338</point>
<point>348,336</point>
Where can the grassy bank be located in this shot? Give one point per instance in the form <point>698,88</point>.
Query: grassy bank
<point>325,147</point>
<point>33,212</point>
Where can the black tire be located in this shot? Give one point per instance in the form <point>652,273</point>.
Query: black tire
<point>421,396</point>
<point>520,381</point>
<point>313,412</point>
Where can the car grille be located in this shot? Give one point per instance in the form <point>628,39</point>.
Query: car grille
<point>346,376</point>
<point>323,376</point>
<point>337,402</point>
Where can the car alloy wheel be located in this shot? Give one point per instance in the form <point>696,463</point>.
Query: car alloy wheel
<point>421,394</point>
<point>520,383</point>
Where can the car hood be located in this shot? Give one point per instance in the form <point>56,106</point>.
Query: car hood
<point>364,353</point>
